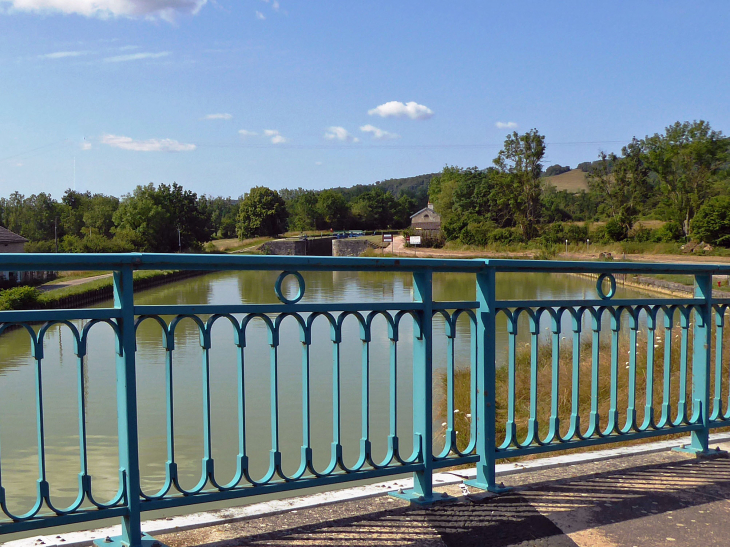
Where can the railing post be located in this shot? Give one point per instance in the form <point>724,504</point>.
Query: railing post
<point>486,383</point>
<point>701,360</point>
<point>132,535</point>
<point>422,491</point>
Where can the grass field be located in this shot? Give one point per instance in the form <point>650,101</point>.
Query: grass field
<point>235,244</point>
<point>573,181</point>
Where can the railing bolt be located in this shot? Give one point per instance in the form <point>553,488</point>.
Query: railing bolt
<point>400,490</point>
<point>444,495</point>
<point>107,539</point>
<point>421,498</point>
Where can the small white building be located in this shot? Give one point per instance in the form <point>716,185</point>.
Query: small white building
<point>11,242</point>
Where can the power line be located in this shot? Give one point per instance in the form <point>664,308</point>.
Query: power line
<point>33,150</point>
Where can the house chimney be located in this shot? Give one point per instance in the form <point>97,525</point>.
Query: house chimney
<point>430,205</point>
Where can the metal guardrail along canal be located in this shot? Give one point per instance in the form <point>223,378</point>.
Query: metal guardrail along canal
<point>680,367</point>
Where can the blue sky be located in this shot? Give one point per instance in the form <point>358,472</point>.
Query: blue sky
<point>223,95</point>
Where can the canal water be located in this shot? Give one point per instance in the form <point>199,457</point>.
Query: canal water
<point>18,430</point>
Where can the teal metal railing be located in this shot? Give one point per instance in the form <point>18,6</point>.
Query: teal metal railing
<point>671,345</point>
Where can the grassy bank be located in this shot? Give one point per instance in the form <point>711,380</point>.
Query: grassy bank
<point>29,298</point>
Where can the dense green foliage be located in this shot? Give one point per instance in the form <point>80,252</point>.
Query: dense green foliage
<point>711,224</point>
<point>670,177</point>
<point>262,213</point>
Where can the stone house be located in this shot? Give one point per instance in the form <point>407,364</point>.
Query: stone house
<point>426,220</point>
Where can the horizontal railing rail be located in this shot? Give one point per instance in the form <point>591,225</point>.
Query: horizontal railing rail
<point>539,375</point>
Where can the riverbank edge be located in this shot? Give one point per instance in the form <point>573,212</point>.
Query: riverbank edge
<point>94,295</point>
<point>669,288</point>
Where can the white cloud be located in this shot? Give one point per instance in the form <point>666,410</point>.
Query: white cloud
<point>260,16</point>
<point>505,125</point>
<point>136,57</point>
<point>246,133</point>
<point>396,109</point>
<point>151,9</point>
<point>218,117</point>
<point>85,145</point>
<point>63,54</point>
<point>276,137</point>
<point>150,145</point>
<point>339,133</point>
<point>317,163</point>
<point>379,134</point>
<point>275,5</point>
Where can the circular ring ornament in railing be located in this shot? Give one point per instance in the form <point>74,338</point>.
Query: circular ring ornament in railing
<point>599,286</point>
<point>280,281</point>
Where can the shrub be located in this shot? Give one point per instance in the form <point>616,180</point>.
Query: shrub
<point>576,234</point>
<point>477,233</point>
<point>641,234</point>
<point>45,246</point>
<point>711,224</point>
<point>554,234</point>
<point>671,231</point>
<point>19,298</point>
<point>615,230</point>
<point>506,236</point>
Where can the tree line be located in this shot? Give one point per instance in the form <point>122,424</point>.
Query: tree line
<point>680,176</point>
<point>169,218</point>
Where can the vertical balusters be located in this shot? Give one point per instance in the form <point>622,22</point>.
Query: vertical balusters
<point>650,339</point>
<point>717,411</point>
<point>365,397</point>
<point>241,392</point>
<point>393,425</point>
<point>595,419</point>
<point>306,408</point>
<point>684,321</point>
<point>532,425</point>
<point>170,406</point>
<point>575,386</point>
<point>631,402</point>
<point>555,388</point>
<point>83,455</point>
<point>207,433</point>
<point>275,455</point>
<point>336,403</point>
<point>666,416</point>
<point>511,427</point>
<point>40,422</point>
<point>450,435</point>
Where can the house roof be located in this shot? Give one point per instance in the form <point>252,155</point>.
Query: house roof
<point>6,236</point>
<point>424,209</point>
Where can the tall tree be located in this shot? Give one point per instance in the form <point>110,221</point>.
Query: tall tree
<point>520,164</point>
<point>262,212</point>
<point>687,160</point>
<point>622,184</point>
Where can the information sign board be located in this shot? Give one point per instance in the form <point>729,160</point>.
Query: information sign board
<point>414,240</point>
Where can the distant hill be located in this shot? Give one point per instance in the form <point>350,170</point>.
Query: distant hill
<point>573,181</point>
<point>416,187</point>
